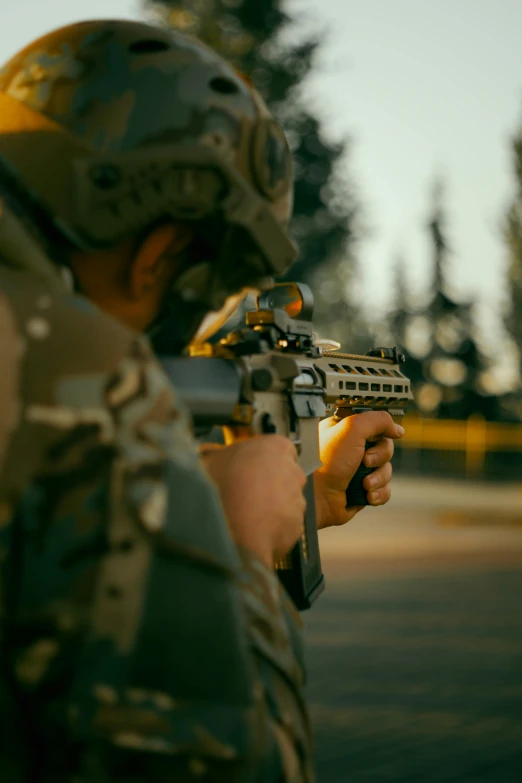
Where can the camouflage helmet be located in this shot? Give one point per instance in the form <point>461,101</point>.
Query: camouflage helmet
<point>110,127</point>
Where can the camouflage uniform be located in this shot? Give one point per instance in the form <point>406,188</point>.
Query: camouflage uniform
<point>137,643</point>
<point>123,618</point>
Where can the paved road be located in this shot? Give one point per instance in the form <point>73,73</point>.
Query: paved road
<point>415,650</point>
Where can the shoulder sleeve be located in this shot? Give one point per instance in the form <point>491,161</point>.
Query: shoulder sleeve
<point>275,629</point>
<point>10,370</point>
<point>127,560</point>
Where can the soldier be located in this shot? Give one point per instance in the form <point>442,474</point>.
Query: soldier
<point>144,636</point>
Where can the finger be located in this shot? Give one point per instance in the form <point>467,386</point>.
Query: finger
<point>301,475</point>
<point>376,423</point>
<point>282,444</point>
<point>378,497</point>
<point>328,423</point>
<point>379,477</point>
<point>372,425</point>
<point>379,454</point>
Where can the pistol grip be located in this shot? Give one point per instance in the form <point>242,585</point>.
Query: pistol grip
<point>356,495</point>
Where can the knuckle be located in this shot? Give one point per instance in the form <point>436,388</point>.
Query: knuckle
<point>281,444</point>
<point>376,421</point>
<point>279,440</point>
<point>347,422</point>
<point>358,420</point>
<point>368,482</point>
<point>290,447</point>
<point>302,475</point>
<point>384,495</point>
<point>301,508</point>
<point>268,441</point>
<point>384,474</point>
<point>280,447</point>
<point>385,421</point>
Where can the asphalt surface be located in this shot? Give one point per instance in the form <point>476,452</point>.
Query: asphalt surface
<point>415,648</point>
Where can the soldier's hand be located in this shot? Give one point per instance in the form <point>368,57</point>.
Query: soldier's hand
<point>342,450</point>
<point>261,489</point>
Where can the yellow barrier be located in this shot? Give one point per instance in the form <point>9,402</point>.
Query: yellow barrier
<point>474,437</point>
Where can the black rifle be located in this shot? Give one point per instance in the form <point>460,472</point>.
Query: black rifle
<point>272,377</point>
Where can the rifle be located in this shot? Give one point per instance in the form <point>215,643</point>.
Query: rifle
<point>273,377</point>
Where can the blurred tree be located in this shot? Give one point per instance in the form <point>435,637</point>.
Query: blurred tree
<point>512,230</point>
<point>444,360</point>
<point>513,238</point>
<point>398,324</point>
<point>254,35</point>
<point>398,317</point>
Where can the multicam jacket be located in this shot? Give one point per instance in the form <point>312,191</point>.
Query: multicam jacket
<point>137,643</point>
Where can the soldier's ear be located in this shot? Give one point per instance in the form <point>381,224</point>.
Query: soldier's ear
<point>155,261</point>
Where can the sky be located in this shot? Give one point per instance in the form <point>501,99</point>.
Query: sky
<point>424,89</point>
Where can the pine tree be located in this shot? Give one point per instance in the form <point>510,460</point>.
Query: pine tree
<point>446,372</point>
<point>399,324</point>
<point>513,239</point>
<point>251,34</point>
<point>399,315</point>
